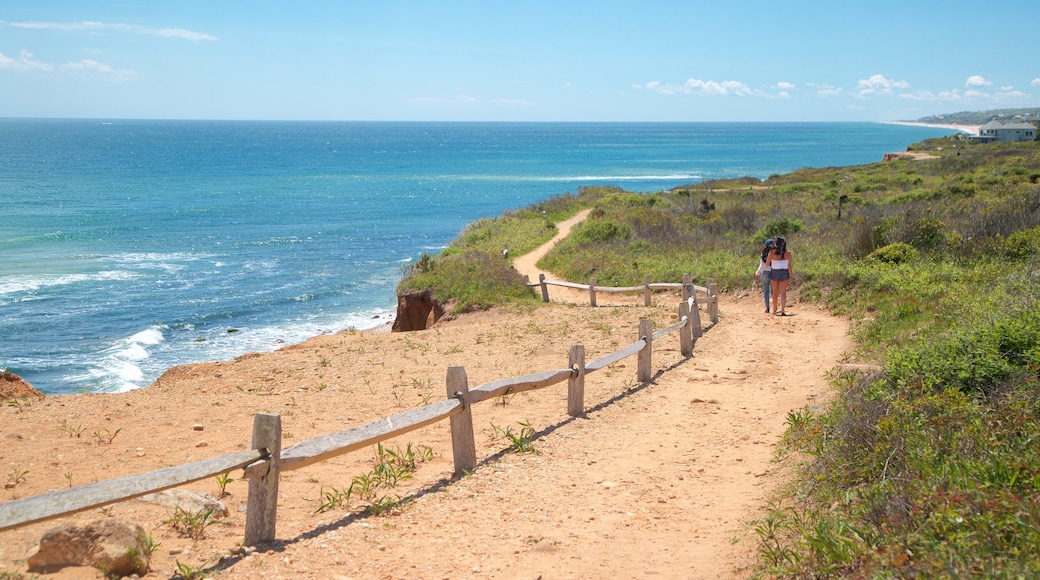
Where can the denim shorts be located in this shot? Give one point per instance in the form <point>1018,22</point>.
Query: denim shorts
<point>779,275</point>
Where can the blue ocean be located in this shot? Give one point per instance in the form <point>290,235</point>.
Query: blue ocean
<point>128,247</point>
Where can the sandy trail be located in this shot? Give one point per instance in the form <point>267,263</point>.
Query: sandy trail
<point>658,479</point>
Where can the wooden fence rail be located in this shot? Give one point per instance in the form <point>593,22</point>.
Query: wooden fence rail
<point>708,292</point>
<point>263,464</point>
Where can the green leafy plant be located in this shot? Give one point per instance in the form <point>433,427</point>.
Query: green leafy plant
<point>15,477</point>
<point>223,480</point>
<point>189,572</point>
<point>71,430</point>
<point>104,436</point>
<point>190,524</point>
<point>519,442</point>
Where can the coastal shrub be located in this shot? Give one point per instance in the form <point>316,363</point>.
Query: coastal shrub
<point>779,227</point>
<point>925,233</point>
<point>897,253</point>
<point>1022,244</point>
<point>598,231</point>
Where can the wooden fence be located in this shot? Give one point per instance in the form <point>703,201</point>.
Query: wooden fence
<point>266,459</point>
<point>647,287</point>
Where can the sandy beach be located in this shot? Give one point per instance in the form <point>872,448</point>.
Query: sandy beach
<point>657,479</point>
<point>972,129</point>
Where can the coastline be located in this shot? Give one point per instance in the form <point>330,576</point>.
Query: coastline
<point>972,129</point>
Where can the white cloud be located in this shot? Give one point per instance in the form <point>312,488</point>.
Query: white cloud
<point>784,86</point>
<point>826,91</point>
<point>1035,82</point>
<point>926,95</point>
<point>24,62</point>
<point>92,26</point>
<point>93,66</point>
<point>977,81</point>
<point>702,88</point>
<point>878,85</point>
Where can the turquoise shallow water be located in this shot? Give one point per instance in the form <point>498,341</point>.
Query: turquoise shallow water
<point>128,247</point>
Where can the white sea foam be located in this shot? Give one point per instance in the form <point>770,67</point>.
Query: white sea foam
<point>120,366</point>
<point>16,285</point>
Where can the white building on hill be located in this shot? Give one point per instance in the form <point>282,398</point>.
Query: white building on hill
<point>995,131</point>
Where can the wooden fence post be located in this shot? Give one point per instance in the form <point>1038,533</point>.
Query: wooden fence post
<point>592,292</point>
<point>687,287</point>
<point>576,384</point>
<point>646,332</point>
<point>695,315</point>
<point>646,290</point>
<point>545,287</point>
<point>262,502</point>
<point>463,446</point>
<point>686,332</point>
<point>713,301</point>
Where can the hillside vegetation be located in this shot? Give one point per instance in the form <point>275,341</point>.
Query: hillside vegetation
<point>928,468</point>
<point>983,117</point>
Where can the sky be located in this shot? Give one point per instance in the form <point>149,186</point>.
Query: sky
<point>530,60</point>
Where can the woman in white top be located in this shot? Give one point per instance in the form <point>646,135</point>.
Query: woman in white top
<point>762,274</point>
<point>779,262</point>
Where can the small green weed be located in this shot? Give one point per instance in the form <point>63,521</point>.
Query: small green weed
<point>188,524</point>
<point>71,430</point>
<point>104,436</point>
<point>15,477</point>
<point>222,481</point>
<point>189,572</point>
<point>522,442</point>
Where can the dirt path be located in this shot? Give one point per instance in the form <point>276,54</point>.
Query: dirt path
<point>526,264</point>
<point>655,480</point>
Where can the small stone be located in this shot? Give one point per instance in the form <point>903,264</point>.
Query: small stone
<point>202,444</point>
<point>197,427</point>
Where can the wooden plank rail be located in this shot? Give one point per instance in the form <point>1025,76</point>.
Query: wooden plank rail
<point>94,495</point>
<point>325,447</point>
<point>646,287</point>
<point>670,329</point>
<point>606,361</point>
<point>519,384</point>
<point>266,460</point>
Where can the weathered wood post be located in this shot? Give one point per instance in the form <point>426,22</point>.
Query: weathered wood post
<point>592,292</point>
<point>695,314</point>
<point>262,502</point>
<point>646,290</point>
<point>646,333</point>
<point>576,383</point>
<point>686,332</point>
<point>545,287</point>
<point>687,287</point>
<point>463,446</point>
<point>713,301</point>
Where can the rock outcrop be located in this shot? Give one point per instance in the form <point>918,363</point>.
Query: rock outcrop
<point>13,387</point>
<point>416,310</point>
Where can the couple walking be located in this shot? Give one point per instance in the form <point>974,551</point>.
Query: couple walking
<point>774,271</point>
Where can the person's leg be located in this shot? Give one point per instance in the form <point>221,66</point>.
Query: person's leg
<point>783,296</point>
<point>776,291</point>
<point>766,287</point>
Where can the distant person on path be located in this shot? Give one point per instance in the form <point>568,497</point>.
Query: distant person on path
<point>762,274</point>
<point>779,263</point>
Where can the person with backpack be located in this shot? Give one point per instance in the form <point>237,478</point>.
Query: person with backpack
<point>762,274</point>
<point>780,272</point>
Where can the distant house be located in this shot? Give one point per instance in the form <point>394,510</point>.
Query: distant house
<point>997,132</point>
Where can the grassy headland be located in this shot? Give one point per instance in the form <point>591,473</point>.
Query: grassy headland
<point>931,466</point>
